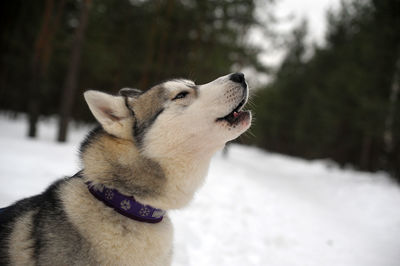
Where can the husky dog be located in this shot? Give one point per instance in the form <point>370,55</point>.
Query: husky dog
<point>150,154</point>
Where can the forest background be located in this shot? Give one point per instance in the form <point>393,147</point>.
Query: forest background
<point>337,100</point>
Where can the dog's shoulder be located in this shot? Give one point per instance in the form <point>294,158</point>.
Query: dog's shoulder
<point>49,196</point>
<point>27,213</point>
<point>8,217</point>
<point>11,213</point>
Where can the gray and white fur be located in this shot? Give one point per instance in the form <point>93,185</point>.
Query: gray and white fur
<point>154,145</point>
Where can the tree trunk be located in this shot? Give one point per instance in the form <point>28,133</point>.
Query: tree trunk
<point>34,90</point>
<point>164,41</point>
<point>365,152</point>
<point>67,99</point>
<point>40,62</point>
<point>388,131</point>
<point>33,116</point>
<point>150,51</point>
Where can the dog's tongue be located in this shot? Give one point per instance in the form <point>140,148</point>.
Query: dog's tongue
<point>235,114</point>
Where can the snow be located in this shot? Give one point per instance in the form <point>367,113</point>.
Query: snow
<point>256,208</point>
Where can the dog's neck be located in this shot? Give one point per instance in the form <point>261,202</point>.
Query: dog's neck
<point>184,177</point>
<point>162,183</point>
<point>127,206</point>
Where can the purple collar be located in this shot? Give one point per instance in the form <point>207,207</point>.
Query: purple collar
<point>126,205</point>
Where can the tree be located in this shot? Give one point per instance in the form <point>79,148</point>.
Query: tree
<point>131,43</point>
<point>68,94</point>
<point>335,104</point>
<point>40,61</point>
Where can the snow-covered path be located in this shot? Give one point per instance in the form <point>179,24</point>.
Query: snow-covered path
<point>256,208</point>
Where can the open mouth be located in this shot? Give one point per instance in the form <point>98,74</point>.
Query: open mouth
<point>236,115</point>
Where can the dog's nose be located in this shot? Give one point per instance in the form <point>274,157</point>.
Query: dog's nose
<point>238,78</point>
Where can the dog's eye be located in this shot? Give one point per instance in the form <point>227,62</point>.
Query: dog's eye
<point>180,95</point>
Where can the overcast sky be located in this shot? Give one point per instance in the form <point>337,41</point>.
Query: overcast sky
<point>290,13</point>
<point>313,10</point>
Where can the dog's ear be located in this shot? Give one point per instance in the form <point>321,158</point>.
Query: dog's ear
<point>109,110</point>
<point>130,92</point>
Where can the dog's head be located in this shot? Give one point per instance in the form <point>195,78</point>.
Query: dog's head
<point>176,115</point>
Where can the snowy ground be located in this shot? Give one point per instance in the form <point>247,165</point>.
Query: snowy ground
<point>256,208</point>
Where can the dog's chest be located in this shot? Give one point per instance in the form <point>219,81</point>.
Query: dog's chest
<point>114,239</point>
<point>146,244</point>
<point>130,244</point>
